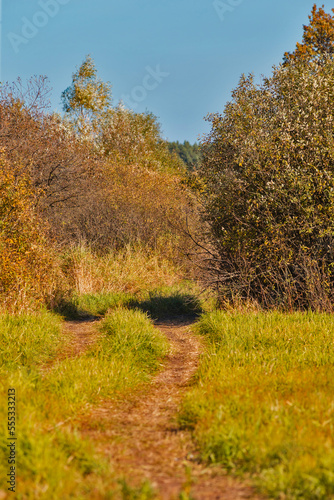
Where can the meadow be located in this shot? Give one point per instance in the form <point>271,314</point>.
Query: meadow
<point>262,403</point>
<point>260,406</point>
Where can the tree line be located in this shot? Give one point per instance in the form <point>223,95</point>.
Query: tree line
<point>252,204</point>
<point>100,175</point>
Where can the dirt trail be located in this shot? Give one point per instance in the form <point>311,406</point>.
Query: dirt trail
<point>82,335</point>
<point>141,438</point>
<point>79,334</point>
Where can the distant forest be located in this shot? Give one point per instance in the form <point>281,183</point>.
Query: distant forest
<point>189,153</point>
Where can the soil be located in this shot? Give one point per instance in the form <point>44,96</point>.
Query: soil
<point>141,438</point>
<point>82,334</point>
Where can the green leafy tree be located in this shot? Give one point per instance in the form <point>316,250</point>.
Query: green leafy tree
<point>88,99</point>
<point>189,153</point>
<point>267,187</point>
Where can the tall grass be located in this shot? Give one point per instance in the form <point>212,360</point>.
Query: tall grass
<point>53,459</point>
<point>132,270</point>
<point>263,402</point>
<point>78,276</point>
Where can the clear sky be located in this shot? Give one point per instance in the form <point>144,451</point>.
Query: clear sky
<point>179,59</point>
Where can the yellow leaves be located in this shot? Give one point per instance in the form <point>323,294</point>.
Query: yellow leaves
<point>318,38</point>
<point>24,256</point>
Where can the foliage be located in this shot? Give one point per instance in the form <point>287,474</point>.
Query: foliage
<point>129,205</point>
<point>87,99</point>
<point>121,187</point>
<point>189,153</point>
<point>127,137</point>
<point>28,271</point>
<point>40,147</point>
<point>267,186</point>
<point>318,39</point>
<point>135,190</point>
<point>262,403</point>
<point>135,139</point>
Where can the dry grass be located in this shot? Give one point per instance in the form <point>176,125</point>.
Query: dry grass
<point>135,269</point>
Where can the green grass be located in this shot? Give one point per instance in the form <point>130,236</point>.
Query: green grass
<point>263,400</point>
<point>127,353</point>
<point>53,460</point>
<point>92,304</point>
<point>99,304</point>
<point>131,334</point>
<point>28,340</point>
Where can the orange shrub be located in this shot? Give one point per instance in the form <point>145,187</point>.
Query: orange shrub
<point>27,269</point>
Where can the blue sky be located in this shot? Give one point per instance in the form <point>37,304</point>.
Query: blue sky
<point>179,59</point>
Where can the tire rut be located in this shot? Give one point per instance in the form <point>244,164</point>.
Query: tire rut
<point>141,437</point>
<point>79,335</point>
<point>82,334</point>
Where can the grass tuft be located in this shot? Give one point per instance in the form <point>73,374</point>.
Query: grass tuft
<point>28,339</point>
<point>131,333</point>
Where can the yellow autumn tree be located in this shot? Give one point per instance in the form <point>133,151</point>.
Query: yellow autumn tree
<point>318,38</point>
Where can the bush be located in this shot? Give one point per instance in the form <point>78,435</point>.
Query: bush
<point>267,183</point>
<point>42,147</point>
<point>109,190</point>
<point>135,139</point>
<point>129,205</point>
<point>28,268</point>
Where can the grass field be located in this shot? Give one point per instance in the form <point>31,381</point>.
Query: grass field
<point>53,460</point>
<point>263,401</point>
<point>261,405</point>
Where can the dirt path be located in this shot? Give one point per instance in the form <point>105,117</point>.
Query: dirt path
<point>141,438</point>
<point>81,335</point>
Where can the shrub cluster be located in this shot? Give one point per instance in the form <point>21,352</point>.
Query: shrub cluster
<point>107,183</point>
<point>267,186</point>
